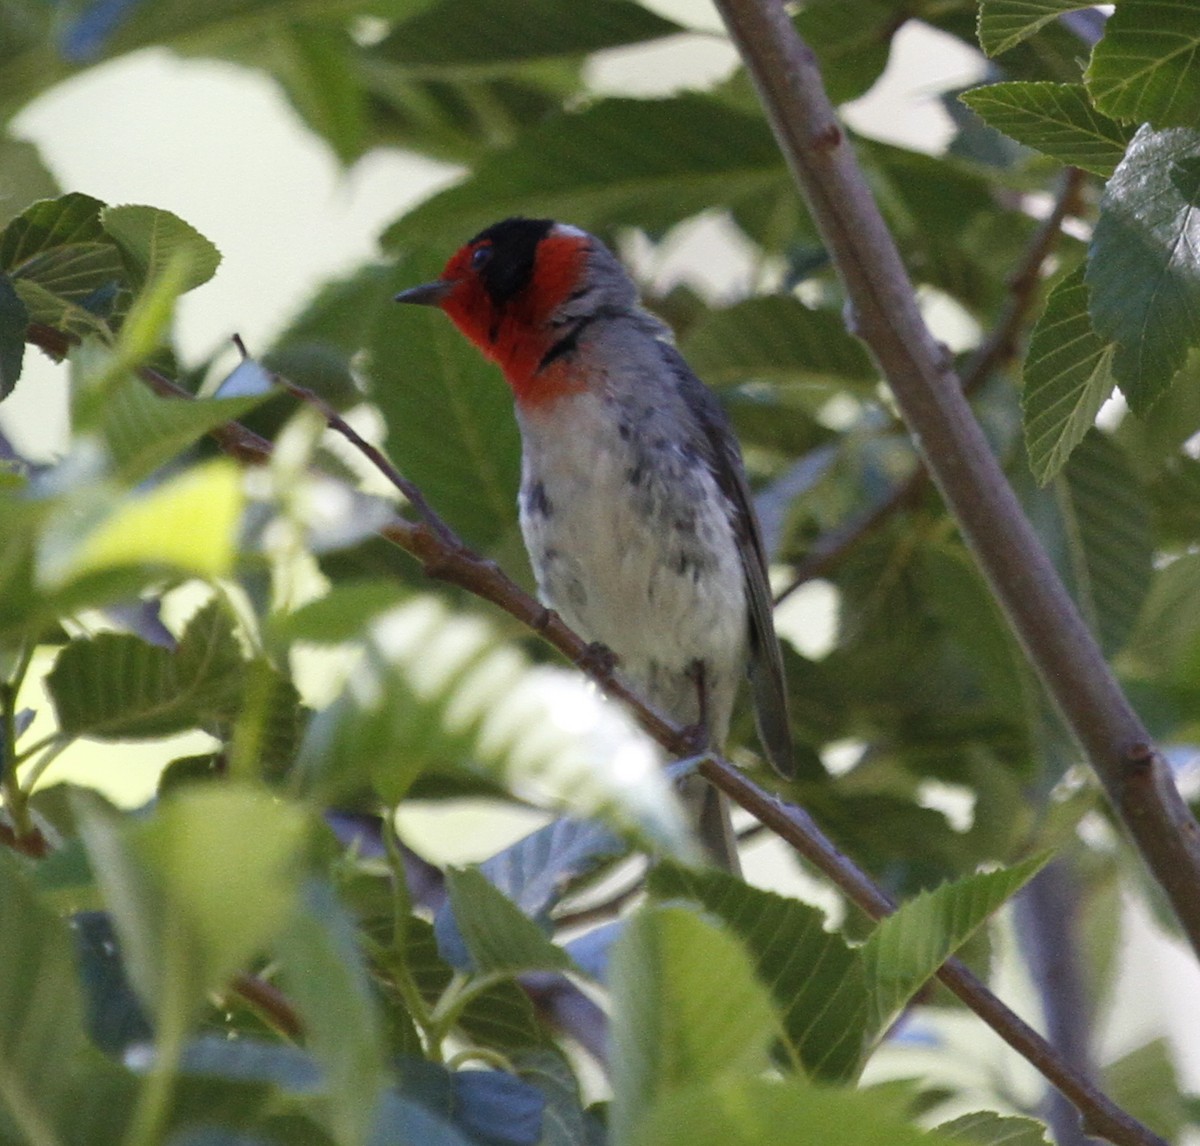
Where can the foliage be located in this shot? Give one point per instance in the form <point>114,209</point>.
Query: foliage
<point>256,957</point>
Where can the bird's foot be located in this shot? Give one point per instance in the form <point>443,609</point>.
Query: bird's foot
<point>695,741</point>
<point>597,660</point>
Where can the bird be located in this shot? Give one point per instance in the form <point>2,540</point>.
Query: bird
<point>634,504</point>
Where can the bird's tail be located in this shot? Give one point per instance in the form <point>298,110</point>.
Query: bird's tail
<point>708,812</point>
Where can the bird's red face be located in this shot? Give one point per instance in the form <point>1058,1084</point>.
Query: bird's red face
<point>503,290</point>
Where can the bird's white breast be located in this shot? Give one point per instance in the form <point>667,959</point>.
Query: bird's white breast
<point>632,543</point>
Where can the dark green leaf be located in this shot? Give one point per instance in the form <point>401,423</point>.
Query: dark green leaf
<point>116,686</point>
<point>1005,23</point>
<point>1144,262</point>
<point>1106,520</point>
<point>688,1011</point>
<point>563,1118</point>
<point>1146,68</point>
<point>450,422</point>
<point>457,34</point>
<point>815,978</point>
<point>909,946</point>
<point>605,165</point>
<point>115,1017</point>
<point>66,268</point>
<point>943,215</point>
<point>449,414</point>
<point>1056,119</point>
<point>483,931</point>
<point>1068,377</point>
<point>778,338</point>
<point>14,318</point>
<point>852,39</point>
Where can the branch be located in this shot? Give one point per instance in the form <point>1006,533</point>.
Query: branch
<point>456,564</point>
<point>1023,579</point>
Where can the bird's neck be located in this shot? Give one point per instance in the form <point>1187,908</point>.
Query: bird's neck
<point>537,363</point>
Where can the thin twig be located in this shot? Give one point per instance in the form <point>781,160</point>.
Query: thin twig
<point>372,453</point>
<point>1022,577</point>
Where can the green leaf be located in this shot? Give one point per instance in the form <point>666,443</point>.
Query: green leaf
<point>48,225</point>
<point>984,1128</point>
<point>1005,23</point>
<point>151,239</point>
<point>64,266</point>
<point>451,428</point>
<point>434,686</point>
<point>753,1111</point>
<point>14,319</point>
<point>943,215</point>
<point>450,421</point>
<point>485,932</point>
<point>564,1122</point>
<point>1056,119</point>
<point>342,614</point>
<point>1168,630</point>
<point>1107,520</point>
<point>188,523</point>
<point>196,890</point>
<point>317,67</point>
<point>815,979</point>
<point>144,431</point>
<point>539,869</point>
<point>688,1012</point>
<point>1146,68</point>
<point>777,338</point>
<point>117,687</point>
<point>24,178</point>
<point>607,164</point>
<point>851,39</point>
<point>41,1012</point>
<point>1144,1082</point>
<point>323,975</point>
<point>1068,377</point>
<point>906,948</point>
<point>1144,262</point>
<point>467,34</point>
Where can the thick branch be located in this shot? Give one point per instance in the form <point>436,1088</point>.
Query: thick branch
<point>930,397</point>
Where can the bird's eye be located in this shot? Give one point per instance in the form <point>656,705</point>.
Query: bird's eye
<point>480,256</point>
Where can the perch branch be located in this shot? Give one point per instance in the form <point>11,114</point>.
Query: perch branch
<point>930,396</point>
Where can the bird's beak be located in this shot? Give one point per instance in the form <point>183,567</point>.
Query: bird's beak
<point>427,294</point>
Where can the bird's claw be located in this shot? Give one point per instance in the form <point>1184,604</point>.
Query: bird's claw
<point>597,660</point>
